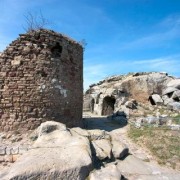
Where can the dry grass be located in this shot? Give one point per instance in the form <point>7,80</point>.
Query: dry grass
<point>163,143</point>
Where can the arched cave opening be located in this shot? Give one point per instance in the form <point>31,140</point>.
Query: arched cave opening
<point>92,105</point>
<point>108,105</point>
<point>151,101</point>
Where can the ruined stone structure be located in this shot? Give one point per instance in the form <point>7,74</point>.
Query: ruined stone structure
<point>41,79</point>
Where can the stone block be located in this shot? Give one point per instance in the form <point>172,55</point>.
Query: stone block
<point>2,158</point>
<point>15,150</point>
<point>2,150</point>
<point>23,149</point>
<point>8,158</point>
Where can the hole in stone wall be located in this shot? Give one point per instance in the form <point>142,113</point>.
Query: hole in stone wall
<point>56,50</point>
<point>42,73</point>
<point>151,101</point>
<point>108,105</point>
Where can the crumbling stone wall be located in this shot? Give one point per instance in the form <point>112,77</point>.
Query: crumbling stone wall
<point>41,79</point>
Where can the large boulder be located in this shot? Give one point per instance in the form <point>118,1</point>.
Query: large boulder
<point>167,100</point>
<point>157,99</point>
<point>119,150</point>
<point>142,86</point>
<point>133,165</point>
<point>174,106</point>
<point>169,90</point>
<point>56,154</point>
<point>176,95</point>
<point>102,149</point>
<point>174,83</point>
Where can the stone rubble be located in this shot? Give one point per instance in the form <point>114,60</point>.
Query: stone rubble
<point>55,144</point>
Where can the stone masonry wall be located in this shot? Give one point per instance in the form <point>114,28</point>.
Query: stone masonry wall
<point>41,79</point>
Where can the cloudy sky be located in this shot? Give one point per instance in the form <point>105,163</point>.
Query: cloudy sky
<point>122,35</point>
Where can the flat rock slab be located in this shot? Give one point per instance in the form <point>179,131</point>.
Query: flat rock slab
<point>155,177</point>
<point>110,172</point>
<point>56,154</point>
<point>132,165</point>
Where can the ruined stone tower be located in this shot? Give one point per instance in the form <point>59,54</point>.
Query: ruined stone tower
<point>41,79</point>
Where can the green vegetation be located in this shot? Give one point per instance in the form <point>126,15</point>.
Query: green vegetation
<point>163,143</point>
<point>176,119</point>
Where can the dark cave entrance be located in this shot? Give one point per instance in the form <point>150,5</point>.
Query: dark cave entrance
<point>108,105</point>
<point>151,101</point>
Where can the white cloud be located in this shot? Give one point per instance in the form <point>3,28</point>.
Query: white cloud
<point>167,30</point>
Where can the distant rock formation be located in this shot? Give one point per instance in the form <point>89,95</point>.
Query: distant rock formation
<point>126,91</point>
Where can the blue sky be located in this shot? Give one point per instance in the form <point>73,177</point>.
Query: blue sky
<point>122,35</point>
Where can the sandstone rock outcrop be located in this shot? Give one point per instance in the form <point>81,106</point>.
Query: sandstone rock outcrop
<point>125,92</point>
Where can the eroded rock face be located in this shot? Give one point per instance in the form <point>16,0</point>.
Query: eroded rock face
<point>126,92</point>
<point>56,154</point>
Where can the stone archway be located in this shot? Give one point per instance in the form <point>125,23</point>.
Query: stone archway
<point>108,105</point>
<point>92,105</point>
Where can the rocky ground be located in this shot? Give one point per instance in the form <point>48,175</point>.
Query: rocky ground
<point>141,154</point>
<point>101,151</point>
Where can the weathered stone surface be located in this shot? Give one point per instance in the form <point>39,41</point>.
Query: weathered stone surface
<point>133,165</point>
<point>56,154</point>
<point>50,126</point>
<point>113,93</point>
<point>102,148</point>
<point>176,95</point>
<point>98,134</point>
<point>79,131</point>
<point>167,100</point>
<point>37,75</point>
<point>174,106</point>
<point>130,104</point>
<point>151,120</point>
<point>157,99</point>
<point>107,173</point>
<point>167,176</point>
<point>174,83</point>
<point>169,90</point>
<point>119,149</point>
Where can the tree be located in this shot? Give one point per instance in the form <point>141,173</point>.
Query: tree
<point>35,21</point>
